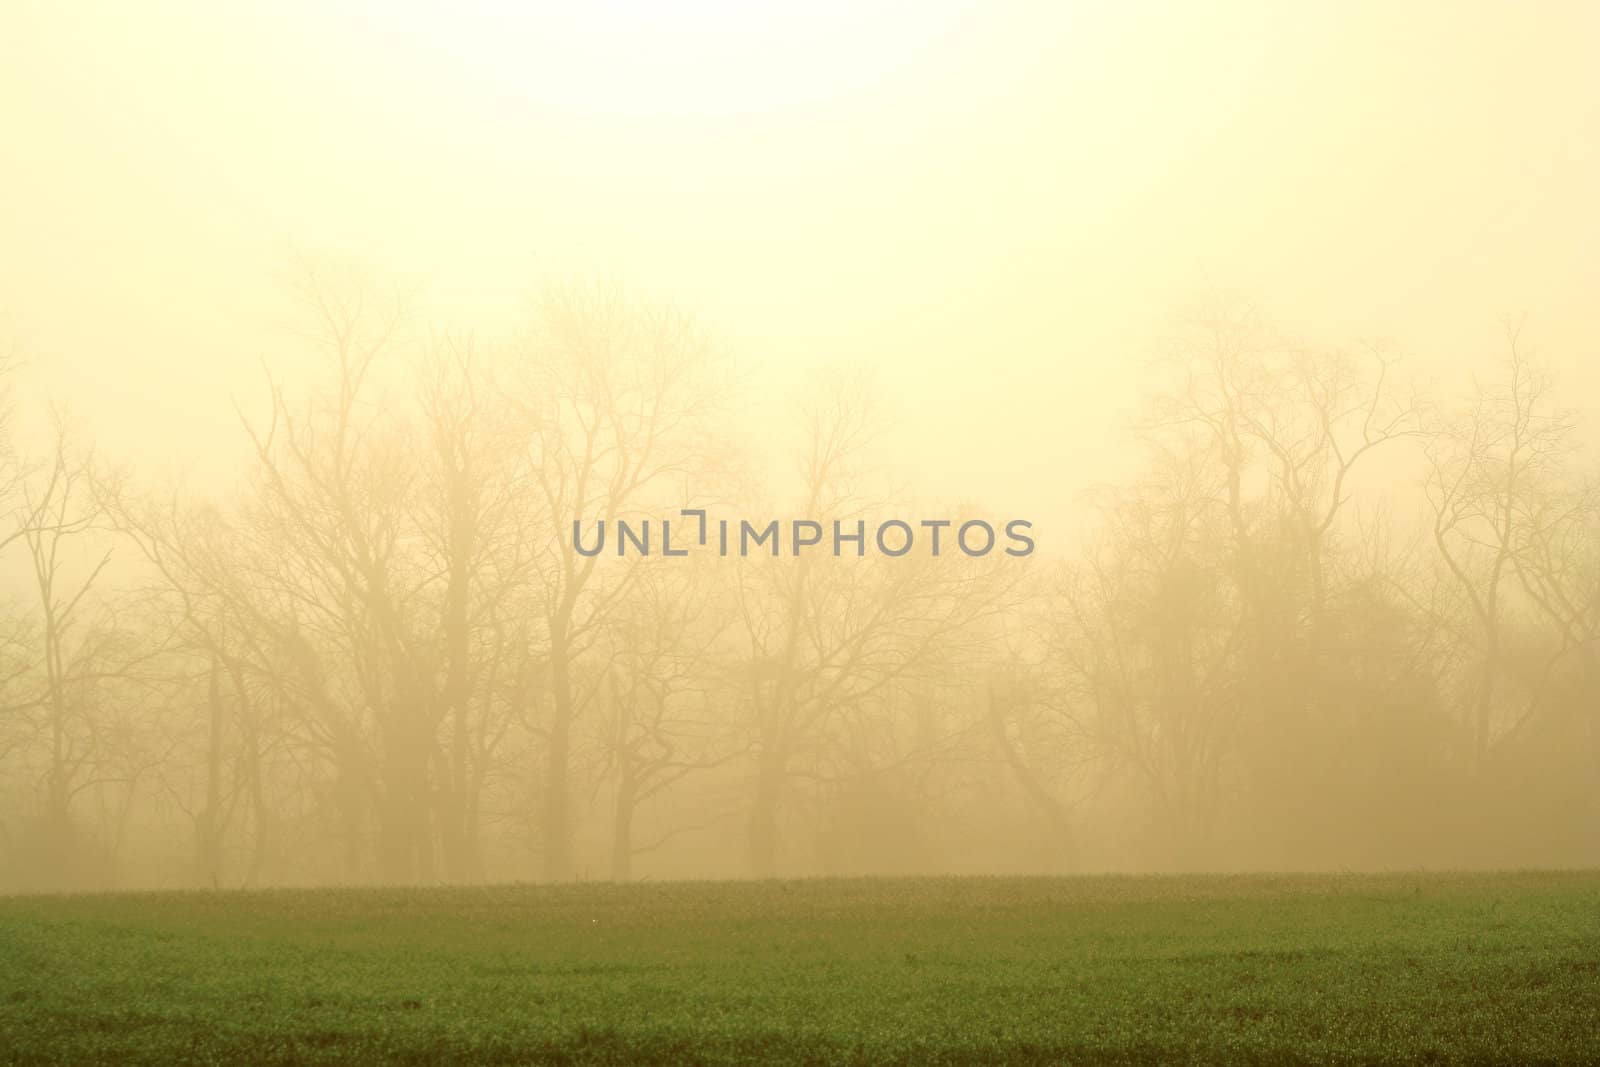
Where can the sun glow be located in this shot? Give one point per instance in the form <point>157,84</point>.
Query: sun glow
<point>692,59</point>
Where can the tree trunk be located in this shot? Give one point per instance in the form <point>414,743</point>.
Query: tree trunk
<point>556,814</point>
<point>209,827</point>
<point>622,829</point>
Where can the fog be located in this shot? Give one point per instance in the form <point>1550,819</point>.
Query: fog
<point>338,336</point>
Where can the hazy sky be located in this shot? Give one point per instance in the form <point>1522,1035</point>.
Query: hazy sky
<point>994,204</point>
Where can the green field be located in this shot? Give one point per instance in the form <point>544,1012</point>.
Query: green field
<point>1397,968</point>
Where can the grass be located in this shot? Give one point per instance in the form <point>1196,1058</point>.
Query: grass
<point>1492,968</point>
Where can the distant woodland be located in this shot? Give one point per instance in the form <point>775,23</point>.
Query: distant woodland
<point>1340,620</point>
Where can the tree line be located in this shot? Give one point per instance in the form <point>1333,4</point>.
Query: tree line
<point>1337,620</point>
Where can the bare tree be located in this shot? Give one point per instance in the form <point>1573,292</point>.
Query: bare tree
<point>1149,644</point>
<point>1493,471</point>
<point>828,633</point>
<point>662,717</point>
<point>61,521</point>
<point>617,398</point>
